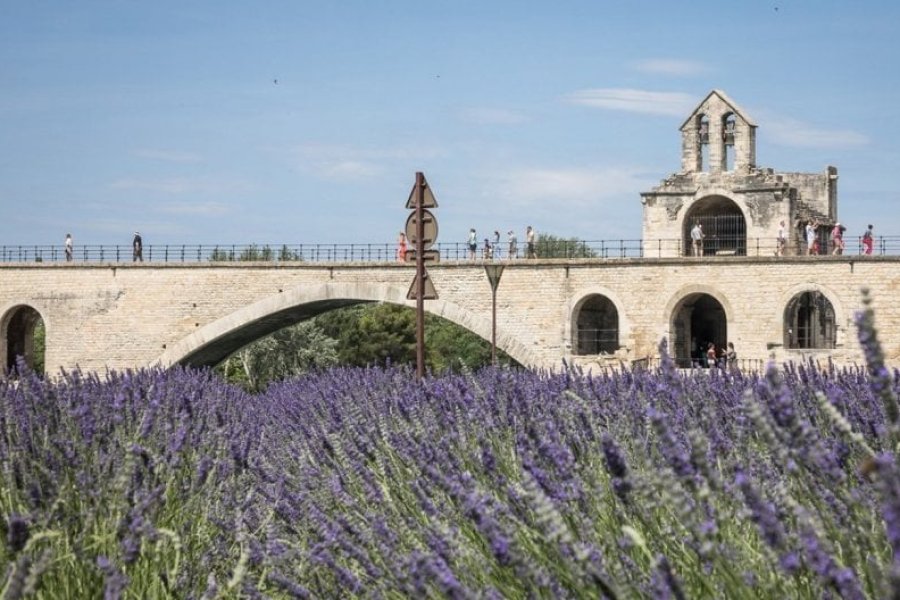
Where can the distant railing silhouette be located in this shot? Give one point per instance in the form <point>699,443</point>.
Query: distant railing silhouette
<point>387,252</point>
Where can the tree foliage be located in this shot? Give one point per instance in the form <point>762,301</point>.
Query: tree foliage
<point>253,253</point>
<point>361,335</point>
<point>287,352</point>
<point>551,246</point>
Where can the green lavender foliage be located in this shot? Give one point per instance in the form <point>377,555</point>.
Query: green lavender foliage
<point>364,483</point>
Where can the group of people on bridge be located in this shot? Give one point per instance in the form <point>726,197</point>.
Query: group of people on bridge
<point>493,249</point>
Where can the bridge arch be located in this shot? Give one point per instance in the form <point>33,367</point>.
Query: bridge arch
<point>697,315</point>
<point>17,329</point>
<point>215,341</point>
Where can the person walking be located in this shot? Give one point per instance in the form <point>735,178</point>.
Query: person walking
<point>731,357</point>
<point>401,247</point>
<point>512,244</point>
<point>868,242</point>
<point>711,355</point>
<point>496,249</point>
<point>472,243</point>
<point>811,237</point>
<point>530,251</point>
<point>837,239</point>
<point>69,247</point>
<point>137,248</point>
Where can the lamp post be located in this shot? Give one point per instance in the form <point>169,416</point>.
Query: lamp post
<point>493,272</point>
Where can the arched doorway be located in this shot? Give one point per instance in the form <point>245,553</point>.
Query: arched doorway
<point>809,322</point>
<point>697,320</point>
<point>22,332</point>
<point>724,227</point>
<point>596,326</point>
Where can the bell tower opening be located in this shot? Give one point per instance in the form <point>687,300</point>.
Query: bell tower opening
<point>728,133</point>
<point>702,143</point>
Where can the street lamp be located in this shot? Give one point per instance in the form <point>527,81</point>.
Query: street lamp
<point>493,272</point>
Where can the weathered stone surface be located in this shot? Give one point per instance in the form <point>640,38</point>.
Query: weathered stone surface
<point>107,316</point>
<point>718,160</point>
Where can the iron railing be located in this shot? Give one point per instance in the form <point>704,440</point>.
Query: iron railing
<point>386,252</point>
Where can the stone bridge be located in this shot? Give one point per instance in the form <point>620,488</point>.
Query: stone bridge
<point>589,312</point>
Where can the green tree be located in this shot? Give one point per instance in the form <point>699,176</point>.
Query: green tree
<point>286,254</point>
<point>286,353</point>
<point>360,335</point>
<point>39,347</point>
<point>451,347</point>
<point>551,246</point>
<point>375,333</point>
<point>218,255</point>
<point>256,253</point>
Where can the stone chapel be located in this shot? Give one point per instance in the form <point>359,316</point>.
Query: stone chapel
<point>738,204</point>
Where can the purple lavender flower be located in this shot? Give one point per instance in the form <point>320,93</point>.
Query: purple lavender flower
<point>17,533</point>
<point>114,580</point>
<point>879,376</point>
<point>666,585</point>
<point>762,513</point>
<point>616,466</point>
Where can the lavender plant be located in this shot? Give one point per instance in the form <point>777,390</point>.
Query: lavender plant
<point>497,484</point>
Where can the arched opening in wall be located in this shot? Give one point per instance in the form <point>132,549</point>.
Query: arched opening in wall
<point>723,224</point>
<point>23,335</point>
<point>809,322</point>
<point>703,142</point>
<point>698,320</point>
<point>728,131</point>
<point>326,334</point>
<point>596,326</point>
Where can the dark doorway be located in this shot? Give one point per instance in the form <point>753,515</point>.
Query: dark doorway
<point>596,326</point>
<point>698,320</point>
<point>724,227</point>
<point>809,322</point>
<point>24,334</point>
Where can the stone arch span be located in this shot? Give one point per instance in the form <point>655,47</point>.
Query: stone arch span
<point>213,342</point>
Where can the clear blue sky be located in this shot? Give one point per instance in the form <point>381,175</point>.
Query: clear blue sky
<point>304,121</point>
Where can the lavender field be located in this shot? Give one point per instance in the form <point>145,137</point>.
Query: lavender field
<point>498,484</point>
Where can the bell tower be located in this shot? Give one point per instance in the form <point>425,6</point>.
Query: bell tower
<point>739,205</point>
<point>718,137</point>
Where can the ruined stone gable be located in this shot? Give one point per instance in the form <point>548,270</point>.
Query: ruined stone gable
<point>739,204</point>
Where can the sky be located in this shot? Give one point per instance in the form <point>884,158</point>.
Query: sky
<point>305,121</point>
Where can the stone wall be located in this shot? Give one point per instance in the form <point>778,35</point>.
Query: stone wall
<point>124,316</point>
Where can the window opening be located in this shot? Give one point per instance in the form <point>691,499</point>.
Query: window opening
<point>728,132</point>
<point>597,326</point>
<point>810,322</point>
<point>703,142</point>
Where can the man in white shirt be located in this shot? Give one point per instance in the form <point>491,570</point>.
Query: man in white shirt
<point>697,239</point>
<point>810,236</point>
